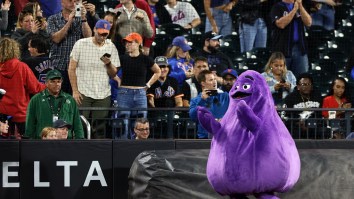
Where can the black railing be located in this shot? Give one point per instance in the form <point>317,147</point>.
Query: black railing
<point>175,123</point>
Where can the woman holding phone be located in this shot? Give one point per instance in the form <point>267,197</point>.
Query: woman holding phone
<point>281,81</point>
<point>338,97</point>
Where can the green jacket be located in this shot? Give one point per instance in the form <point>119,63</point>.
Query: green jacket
<point>40,114</point>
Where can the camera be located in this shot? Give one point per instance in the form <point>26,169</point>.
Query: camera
<point>78,9</point>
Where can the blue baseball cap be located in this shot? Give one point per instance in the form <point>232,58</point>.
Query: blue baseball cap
<point>103,26</point>
<point>229,72</point>
<point>181,42</point>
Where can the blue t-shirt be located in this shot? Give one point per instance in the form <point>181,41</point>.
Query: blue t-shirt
<point>290,7</point>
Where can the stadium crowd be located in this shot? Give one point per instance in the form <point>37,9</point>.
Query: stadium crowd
<point>64,55</point>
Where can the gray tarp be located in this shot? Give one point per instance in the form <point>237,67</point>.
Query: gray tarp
<point>325,174</point>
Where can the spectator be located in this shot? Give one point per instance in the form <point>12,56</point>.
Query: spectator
<point>37,13</point>
<point>4,127</point>
<point>218,16</point>
<point>338,97</point>
<point>49,133</point>
<point>136,16</point>
<point>135,66</point>
<point>18,81</point>
<point>303,97</point>
<point>58,105</point>
<point>180,60</point>
<point>142,129</point>
<point>65,29</point>
<point>62,129</point>
<point>217,60</point>
<point>216,102</point>
<point>281,81</point>
<point>229,77</point>
<point>191,87</point>
<point>26,29</point>
<point>165,91</point>
<point>88,69</point>
<point>159,12</point>
<point>39,61</point>
<point>323,13</point>
<point>183,14</point>
<point>288,33</point>
<point>5,7</point>
<point>111,17</point>
<point>252,27</point>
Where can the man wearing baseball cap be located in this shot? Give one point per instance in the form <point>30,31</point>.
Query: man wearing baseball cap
<point>165,91</point>
<point>50,105</point>
<point>229,77</point>
<point>217,60</point>
<point>92,62</point>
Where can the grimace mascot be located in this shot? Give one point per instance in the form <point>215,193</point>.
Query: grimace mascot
<point>252,152</point>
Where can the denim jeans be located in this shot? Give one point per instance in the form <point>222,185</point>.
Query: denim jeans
<point>252,36</point>
<point>223,22</point>
<point>131,98</point>
<point>297,63</point>
<point>324,17</point>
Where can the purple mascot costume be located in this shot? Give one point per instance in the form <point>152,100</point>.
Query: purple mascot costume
<point>252,152</point>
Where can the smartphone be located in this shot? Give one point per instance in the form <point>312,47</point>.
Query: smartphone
<point>282,80</point>
<point>107,55</point>
<point>212,92</point>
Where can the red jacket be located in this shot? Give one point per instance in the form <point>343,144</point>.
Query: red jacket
<point>17,79</point>
<point>142,4</point>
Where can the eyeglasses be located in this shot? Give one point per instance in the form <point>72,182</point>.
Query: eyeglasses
<point>103,34</point>
<point>147,129</point>
<point>305,84</point>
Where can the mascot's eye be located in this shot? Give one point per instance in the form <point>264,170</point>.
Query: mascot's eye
<point>237,87</point>
<point>246,86</point>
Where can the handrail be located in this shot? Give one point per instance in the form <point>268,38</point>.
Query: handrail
<point>88,126</point>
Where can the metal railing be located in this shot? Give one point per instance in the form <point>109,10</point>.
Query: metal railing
<point>174,123</point>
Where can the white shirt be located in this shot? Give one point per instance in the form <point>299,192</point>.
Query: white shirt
<point>182,13</point>
<point>92,77</point>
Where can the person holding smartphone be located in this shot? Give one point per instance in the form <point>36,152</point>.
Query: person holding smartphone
<point>210,97</point>
<point>280,80</point>
<point>93,61</point>
<point>338,97</point>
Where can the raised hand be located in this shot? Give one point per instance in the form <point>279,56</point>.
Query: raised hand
<point>6,5</point>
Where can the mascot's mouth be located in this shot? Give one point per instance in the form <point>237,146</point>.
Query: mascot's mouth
<point>239,95</point>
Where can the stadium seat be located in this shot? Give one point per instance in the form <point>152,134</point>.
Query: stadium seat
<point>261,53</point>
<point>161,44</point>
<point>172,30</point>
<point>231,41</point>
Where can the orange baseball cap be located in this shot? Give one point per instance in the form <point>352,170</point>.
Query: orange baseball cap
<point>134,37</point>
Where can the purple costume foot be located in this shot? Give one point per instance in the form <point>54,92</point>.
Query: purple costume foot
<point>252,152</point>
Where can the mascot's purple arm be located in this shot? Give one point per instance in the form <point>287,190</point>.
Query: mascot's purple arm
<point>252,152</point>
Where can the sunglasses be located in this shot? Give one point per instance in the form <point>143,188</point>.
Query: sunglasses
<point>162,66</point>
